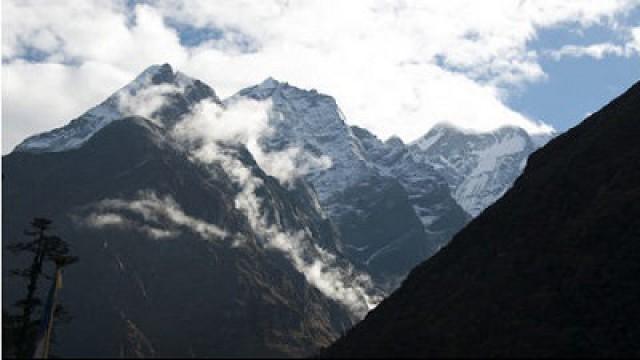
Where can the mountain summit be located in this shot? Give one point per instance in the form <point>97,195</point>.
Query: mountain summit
<point>177,92</point>
<point>478,166</point>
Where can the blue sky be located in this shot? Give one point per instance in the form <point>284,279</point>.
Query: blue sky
<point>396,67</point>
<point>576,86</point>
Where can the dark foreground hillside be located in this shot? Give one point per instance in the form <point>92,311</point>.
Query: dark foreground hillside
<point>553,268</point>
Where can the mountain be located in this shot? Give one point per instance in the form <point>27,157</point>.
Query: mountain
<point>177,92</point>
<point>180,222</point>
<point>381,216</point>
<point>393,204</point>
<point>550,269</point>
<point>478,166</point>
<point>178,256</point>
<point>428,191</point>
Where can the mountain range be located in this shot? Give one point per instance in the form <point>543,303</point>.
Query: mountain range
<point>549,270</point>
<point>429,188</point>
<point>270,244</point>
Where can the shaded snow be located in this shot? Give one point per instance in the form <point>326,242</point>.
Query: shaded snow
<point>479,167</point>
<point>80,130</point>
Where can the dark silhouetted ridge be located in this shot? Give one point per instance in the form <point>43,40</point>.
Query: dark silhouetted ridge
<point>551,269</point>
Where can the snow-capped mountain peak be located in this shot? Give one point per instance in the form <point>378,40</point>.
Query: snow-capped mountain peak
<point>132,99</point>
<point>479,166</point>
<point>269,82</point>
<point>312,121</point>
<point>394,203</point>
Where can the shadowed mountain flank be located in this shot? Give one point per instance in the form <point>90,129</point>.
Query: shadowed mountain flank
<point>551,269</point>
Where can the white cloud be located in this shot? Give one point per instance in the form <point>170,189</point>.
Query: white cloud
<point>245,121</point>
<point>635,39</point>
<point>597,51</point>
<point>289,164</point>
<point>39,97</point>
<point>337,281</point>
<point>396,67</point>
<point>157,217</point>
<point>80,31</point>
<point>600,50</point>
<point>146,101</point>
<point>90,50</point>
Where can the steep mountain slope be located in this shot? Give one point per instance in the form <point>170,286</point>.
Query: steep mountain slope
<point>551,269</point>
<point>313,121</point>
<point>179,256</point>
<point>373,209</point>
<point>428,191</point>
<point>479,167</point>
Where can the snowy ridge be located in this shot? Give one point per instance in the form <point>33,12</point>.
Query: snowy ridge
<point>428,191</point>
<point>395,204</point>
<point>392,211</point>
<point>313,122</point>
<point>78,131</point>
<point>479,167</point>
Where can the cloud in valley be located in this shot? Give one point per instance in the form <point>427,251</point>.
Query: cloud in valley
<point>245,121</point>
<point>158,217</point>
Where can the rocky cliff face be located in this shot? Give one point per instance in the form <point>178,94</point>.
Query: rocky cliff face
<point>427,190</point>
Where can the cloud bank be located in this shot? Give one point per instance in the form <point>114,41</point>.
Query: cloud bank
<point>395,67</point>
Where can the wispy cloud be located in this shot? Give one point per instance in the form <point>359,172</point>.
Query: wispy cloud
<point>338,281</point>
<point>628,48</point>
<point>157,217</point>
<point>597,51</point>
<point>246,121</point>
<point>146,101</point>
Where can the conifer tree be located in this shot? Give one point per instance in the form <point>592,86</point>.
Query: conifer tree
<point>47,252</point>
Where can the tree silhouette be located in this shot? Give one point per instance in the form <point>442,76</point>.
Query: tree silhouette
<point>47,251</point>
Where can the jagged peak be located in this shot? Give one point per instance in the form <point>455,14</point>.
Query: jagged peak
<point>361,132</point>
<point>155,70</point>
<point>394,141</point>
<point>445,126</point>
<point>269,83</point>
<point>271,86</point>
<point>160,74</point>
<point>450,128</point>
<point>79,130</point>
<point>159,68</point>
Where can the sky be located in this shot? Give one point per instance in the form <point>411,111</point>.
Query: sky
<point>395,67</point>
